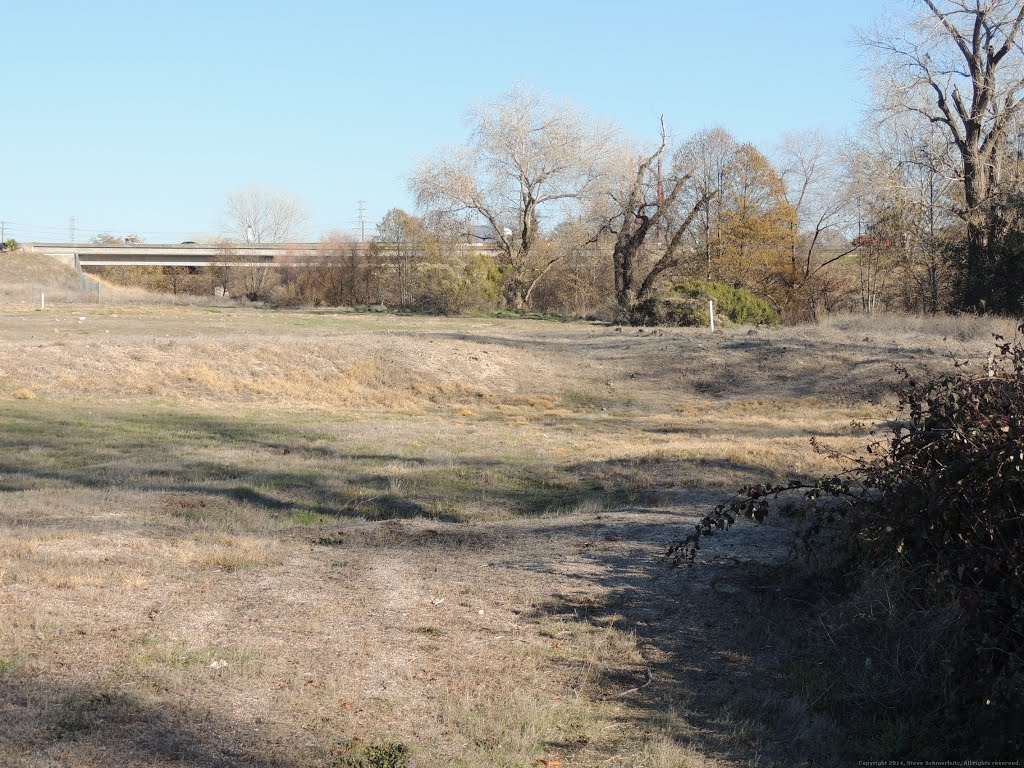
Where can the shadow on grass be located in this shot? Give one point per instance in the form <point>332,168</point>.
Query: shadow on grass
<point>52,725</point>
<point>709,681</point>
<point>712,685</point>
<point>287,470</point>
<point>280,469</point>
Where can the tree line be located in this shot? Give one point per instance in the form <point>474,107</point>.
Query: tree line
<point>921,210</point>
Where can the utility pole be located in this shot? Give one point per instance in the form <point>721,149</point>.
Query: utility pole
<point>362,221</point>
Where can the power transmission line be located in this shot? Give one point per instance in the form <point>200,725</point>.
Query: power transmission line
<point>30,232</point>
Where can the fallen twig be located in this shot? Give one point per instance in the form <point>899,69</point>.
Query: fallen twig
<point>650,679</point>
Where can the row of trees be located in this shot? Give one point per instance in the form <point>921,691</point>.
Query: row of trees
<point>923,210</point>
<point>584,221</point>
<point>927,200</point>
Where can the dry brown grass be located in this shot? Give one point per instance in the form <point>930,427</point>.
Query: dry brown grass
<point>955,328</point>
<point>197,565</point>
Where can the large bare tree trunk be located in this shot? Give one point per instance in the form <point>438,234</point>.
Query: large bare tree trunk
<point>962,68</point>
<point>641,213</point>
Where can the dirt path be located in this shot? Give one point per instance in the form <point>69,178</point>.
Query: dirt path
<point>665,646</point>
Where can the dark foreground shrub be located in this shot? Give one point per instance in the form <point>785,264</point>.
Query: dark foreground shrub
<point>938,508</point>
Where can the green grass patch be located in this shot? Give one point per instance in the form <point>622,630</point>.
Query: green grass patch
<point>159,653</point>
<point>332,540</point>
<point>380,754</point>
<point>547,316</point>
<point>247,471</point>
<point>809,679</point>
<point>434,632</point>
<point>309,518</point>
<point>82,713</point>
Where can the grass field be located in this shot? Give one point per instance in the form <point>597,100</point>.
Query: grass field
<point>234,537</point>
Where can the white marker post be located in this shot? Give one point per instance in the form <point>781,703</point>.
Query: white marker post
<point>711,313</point>
<point>42,300</point>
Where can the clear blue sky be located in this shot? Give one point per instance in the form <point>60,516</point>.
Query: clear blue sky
<point>141,117</point>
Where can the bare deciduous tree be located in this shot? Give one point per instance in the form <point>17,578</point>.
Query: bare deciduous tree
<point>818,187</point>
<point>809,167</point>
<point>648,200</point>
<point>959,64</point>
<point>529,162</point>
<point>220,272</point>
<point>713,154</point>
<point>105,238</point>
<point>927,168</point>
<point>257,215</point>
<point>398,245</point>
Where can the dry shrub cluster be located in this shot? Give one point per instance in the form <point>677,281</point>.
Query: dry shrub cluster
<point>345,274</point>
<point>919,547</point>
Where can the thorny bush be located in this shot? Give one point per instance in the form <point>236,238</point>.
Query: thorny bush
<point>941,499</point>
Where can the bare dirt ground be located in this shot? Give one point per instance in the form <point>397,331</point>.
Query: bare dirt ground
<point>241,538</point>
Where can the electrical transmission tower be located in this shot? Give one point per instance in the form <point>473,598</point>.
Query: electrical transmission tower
<point>71,229</point>
<point>362,221</point>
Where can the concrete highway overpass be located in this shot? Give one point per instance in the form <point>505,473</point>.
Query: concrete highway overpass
<point>194,254</point>
<point>178,255</point>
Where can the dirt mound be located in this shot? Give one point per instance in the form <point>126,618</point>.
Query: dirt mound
<point>23,276</point>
